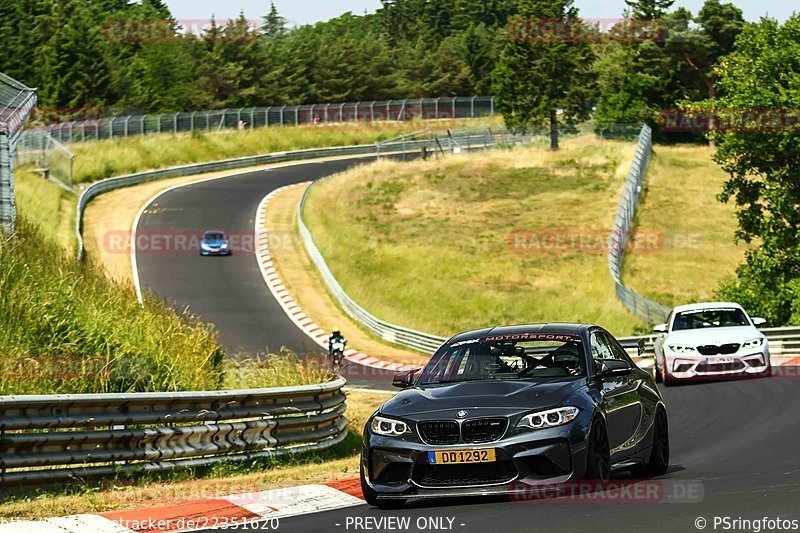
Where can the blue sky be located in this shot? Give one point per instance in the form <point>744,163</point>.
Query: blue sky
<point>309,11</point>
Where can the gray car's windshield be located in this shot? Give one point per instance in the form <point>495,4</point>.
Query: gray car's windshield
<point>506,357</point>
<point>710,318</point>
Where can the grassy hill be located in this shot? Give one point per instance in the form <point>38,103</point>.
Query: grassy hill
<point>508,237</point>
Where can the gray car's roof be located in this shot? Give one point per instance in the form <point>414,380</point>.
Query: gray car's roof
<point>557,328</point>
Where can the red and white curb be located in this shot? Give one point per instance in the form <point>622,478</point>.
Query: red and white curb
<point>225,512</point>
<point>290,305</point>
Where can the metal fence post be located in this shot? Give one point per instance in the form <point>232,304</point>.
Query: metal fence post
<point>472,107</point>
<point>175,123</point>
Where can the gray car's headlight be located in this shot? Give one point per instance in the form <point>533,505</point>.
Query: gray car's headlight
<point>754,343</point>
<point>389,427</point>
<point>549,419</point>
<point>681,348</point>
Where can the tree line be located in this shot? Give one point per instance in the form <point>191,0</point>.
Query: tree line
<point>106,55</point>
<point>545,64</point>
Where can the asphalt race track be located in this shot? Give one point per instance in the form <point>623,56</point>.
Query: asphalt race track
<point>735,450</point>
<point>734,444</point>
<point>229,292</point>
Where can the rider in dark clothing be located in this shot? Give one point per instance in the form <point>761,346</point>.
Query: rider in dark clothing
<point>336,337</point>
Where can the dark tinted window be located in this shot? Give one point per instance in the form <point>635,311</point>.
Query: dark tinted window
<point>503,358</point>
<point>710,318</point>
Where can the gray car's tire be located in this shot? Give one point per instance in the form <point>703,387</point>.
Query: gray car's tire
<point>598,453</point>
<point>658,464</point>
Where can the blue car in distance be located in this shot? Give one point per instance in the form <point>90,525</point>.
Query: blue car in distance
<point>215,243</point>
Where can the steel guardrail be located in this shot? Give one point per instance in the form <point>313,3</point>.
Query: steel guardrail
<point>49,438</point>
<point>652,312</point>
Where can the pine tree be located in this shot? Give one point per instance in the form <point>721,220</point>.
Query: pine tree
<point>539,77</point>
<point>274,25</point>
<point>649,9</point>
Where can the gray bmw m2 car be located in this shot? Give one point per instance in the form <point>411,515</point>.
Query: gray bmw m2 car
<point>505,409</point>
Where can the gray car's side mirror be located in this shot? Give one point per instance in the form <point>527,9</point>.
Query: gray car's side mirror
<point>405,379</point>
<point>758,321</point>
<point>660,328</point>
<point>614,367</point>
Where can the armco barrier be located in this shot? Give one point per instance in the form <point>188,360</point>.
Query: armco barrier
<point>435,141</point>
<point>652,312</point>
<point>49,438</point>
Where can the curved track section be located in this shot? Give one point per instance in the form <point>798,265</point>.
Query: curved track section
<point>228,292</point>
<point>734,454</point>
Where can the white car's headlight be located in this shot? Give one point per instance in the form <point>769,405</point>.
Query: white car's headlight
<point>549,419</point>
<point>389,427</point>
<point>754,343</point>
<point>205,247</point>
<point>224,245</point>
<point>681,348</point>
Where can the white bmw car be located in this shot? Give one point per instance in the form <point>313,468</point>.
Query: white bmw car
<point>710,341</point>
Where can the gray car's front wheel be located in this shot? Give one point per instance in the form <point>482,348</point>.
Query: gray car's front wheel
<point>598,453</point>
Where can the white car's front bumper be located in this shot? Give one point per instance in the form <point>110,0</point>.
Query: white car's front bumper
<point>698,366</point>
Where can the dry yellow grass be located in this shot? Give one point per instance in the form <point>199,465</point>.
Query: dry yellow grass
<point>449,245</point>
<point>694,232</point>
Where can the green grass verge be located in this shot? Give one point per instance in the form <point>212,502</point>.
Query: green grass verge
<point>693,233</point>
<point>67,329</point>
<point>433,245</point>
<point>44,202</point>
<point>103,159</point>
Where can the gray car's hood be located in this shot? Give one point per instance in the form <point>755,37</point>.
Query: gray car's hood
<point>480,398</point>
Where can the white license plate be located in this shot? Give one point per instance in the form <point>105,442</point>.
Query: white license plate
<point>721,360</point>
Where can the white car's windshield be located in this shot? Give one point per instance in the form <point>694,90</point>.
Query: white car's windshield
<point>722,317</point>
<point>497,358</point>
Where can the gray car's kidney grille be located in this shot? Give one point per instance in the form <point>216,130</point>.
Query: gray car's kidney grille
<point>439,432</point>
<point>483,430</point>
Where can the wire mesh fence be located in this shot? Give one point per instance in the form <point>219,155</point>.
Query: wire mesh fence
<point>48,155</point>
<point>443,108</point>
<point>16,104</point>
